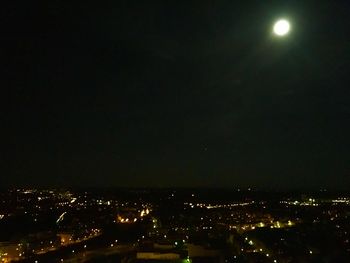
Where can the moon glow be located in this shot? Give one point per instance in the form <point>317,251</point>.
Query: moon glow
<point>281,27</point>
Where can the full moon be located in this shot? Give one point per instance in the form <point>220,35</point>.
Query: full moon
<point>281,27</point>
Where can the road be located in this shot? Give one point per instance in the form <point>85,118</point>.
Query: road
<point>90,254</point>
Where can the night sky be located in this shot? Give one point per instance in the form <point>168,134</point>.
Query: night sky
<point>167,94</point>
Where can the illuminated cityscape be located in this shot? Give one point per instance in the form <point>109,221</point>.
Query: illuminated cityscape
<point>173,225</point>
<point>175,131</point>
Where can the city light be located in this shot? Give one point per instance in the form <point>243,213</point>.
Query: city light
<point>242,219</point>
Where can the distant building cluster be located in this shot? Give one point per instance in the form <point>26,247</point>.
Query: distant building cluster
<point>172,226</point>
